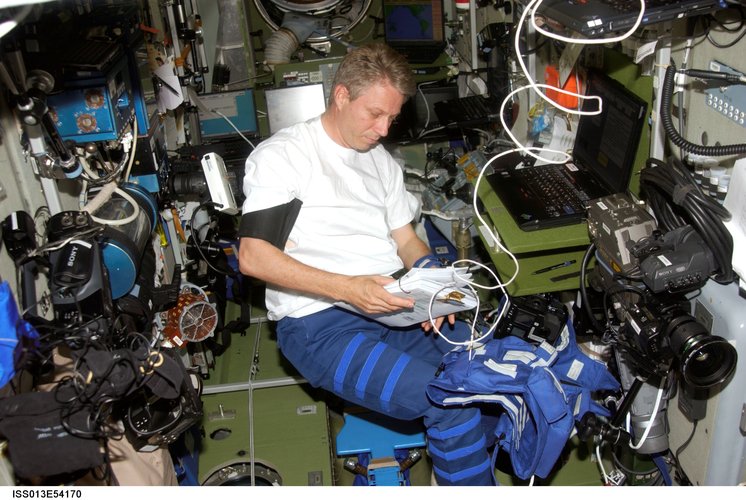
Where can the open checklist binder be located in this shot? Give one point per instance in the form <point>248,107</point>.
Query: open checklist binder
<point>448,285</point>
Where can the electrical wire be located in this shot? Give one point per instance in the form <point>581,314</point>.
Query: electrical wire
<point>663,468</point>
<point>198,243</point>
<point>201,105</point>
<point>132,152</point>
<point>111,186</point>
<point>600,463</point>
<point>115,222</point>
<point>683,446</point>
<point>230,122</point>
<point>421,94</point>
<point>491,237</point>
<point>723,26</point>
<point>530,9</point>
<point>653,415</point>
<point>675,137</point>
<point>593,41</point>
<point>676,199</point>
<point>585,303</point>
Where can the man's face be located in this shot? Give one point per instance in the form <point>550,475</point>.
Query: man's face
<point>361,122</point>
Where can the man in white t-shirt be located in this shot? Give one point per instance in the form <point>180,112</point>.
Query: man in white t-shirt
<point>326,219</point>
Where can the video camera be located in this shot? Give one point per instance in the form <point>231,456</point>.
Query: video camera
<point>646,274</point>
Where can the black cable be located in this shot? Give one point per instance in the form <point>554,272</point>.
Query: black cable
<point>713,18</point>
<point>673,134</point>
<point>741,23</point>
<point>677,200</point>
<point>685,444</point>
<point>583,291</point>
<point>198,243</point>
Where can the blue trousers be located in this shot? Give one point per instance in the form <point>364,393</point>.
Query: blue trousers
<point>387,370</point>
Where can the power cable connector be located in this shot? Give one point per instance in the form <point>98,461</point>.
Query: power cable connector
<point>703,74</point>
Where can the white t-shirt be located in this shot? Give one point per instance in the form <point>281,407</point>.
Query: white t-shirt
<point>351,203</point>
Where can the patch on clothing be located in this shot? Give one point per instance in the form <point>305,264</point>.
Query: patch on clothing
<point>575,368</point>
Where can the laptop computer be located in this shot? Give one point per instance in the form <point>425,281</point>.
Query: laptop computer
<point>598,17</point>
<point>415,28</point>
<point>236,105</point>
<point>603,156</point>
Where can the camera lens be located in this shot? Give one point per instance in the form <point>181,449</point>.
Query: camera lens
<point>189,183</point>
<point>704,360</point>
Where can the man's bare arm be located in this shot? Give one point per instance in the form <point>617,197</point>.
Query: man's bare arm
<point>263,261</point>
<point>410,246</point>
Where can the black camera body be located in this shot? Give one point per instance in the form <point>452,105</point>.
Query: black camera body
<point>79,282</point>
<point>533,318</point>
<point>651,313</point>
<point>657,336</point>
<point>675,262</point>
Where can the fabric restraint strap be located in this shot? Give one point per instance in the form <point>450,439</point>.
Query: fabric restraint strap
<point>271,224</point>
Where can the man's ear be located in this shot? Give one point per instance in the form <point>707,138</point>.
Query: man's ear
<point>341,95</point>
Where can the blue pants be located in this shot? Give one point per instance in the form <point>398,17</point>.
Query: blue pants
<point>387,370</point>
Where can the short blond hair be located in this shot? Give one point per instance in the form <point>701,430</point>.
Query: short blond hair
<point>374,64</point>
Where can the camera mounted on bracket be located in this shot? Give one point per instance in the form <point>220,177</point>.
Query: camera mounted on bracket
<point>645,274</point>
<point>534,318</point>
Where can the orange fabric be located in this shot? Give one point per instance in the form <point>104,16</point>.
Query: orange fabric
<point>551,77</point>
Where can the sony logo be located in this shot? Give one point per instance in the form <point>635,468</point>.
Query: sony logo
<point>71,258</point>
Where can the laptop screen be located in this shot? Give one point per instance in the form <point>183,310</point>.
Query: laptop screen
<point>607,143</point>
<point>290,105</point>
<point>413,21</point>
<point>238,106</point>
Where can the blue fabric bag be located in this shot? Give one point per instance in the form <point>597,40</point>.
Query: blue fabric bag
<point>542,391</point>
<point>13,329</point>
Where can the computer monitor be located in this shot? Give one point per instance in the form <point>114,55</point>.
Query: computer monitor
<point>424,103</point>
<point>418,113</point>
<point>237,105</point>
<point>290,105</point>
<point>416,28</point>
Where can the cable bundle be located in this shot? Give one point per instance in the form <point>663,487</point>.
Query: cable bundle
<point>677,200</point>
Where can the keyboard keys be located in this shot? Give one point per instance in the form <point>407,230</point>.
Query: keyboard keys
<point>560,195</point>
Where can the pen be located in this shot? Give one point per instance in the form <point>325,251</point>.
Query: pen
<point>556,266</point>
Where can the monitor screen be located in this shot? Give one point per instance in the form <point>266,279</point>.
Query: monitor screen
<point>607,142</point>
<point>413,20</point>
<point>237,105</point>
<point>290,105</point>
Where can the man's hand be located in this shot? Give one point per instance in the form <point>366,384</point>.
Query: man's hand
<point>367,294</point>
<point>427,325</point>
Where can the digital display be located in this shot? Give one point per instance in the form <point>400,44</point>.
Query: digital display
<point>413,20</point>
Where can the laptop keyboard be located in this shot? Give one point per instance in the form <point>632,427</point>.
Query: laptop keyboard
<point>469,109</point>
<point>475,107</point>
<point>560,195</point>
